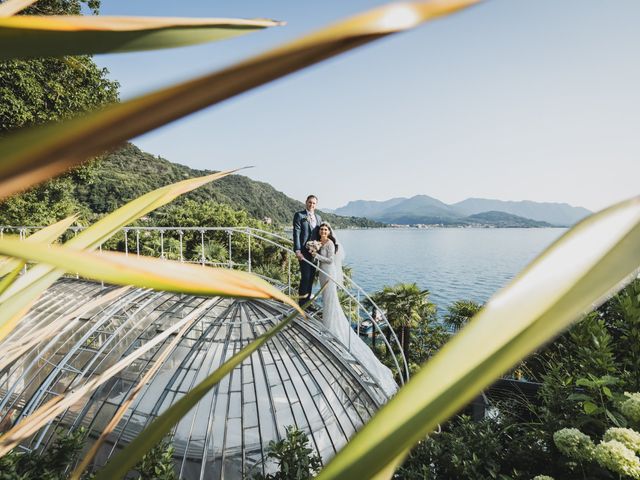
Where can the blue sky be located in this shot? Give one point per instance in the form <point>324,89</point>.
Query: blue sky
<point>512,99</point>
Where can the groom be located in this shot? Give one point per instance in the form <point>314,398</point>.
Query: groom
<point>306,224</point>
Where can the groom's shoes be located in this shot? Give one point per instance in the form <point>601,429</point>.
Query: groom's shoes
<point>313,308</point>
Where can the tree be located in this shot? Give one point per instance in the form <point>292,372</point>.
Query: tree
<point>42,90</point>
<point>459,313</point>
<point>405,305</point>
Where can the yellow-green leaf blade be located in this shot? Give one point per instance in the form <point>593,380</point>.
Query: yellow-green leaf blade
<point>47,234</point>
<point>30,36</point>
<point>9,277</point>
<point>131,397</point>
<point>572,276</point>
<point>107,226</point>
<point>11,7</point>
<point>58,404</point>
<point>20,295</point>
<point>11,350</point>
<point>32,156</point>
<point>121,463</point>
<point>104,228</point>
<point>121,269</point>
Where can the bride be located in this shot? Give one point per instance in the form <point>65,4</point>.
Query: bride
<point>330,257</point>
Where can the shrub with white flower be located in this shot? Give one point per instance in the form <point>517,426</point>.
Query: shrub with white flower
<point>542,477</point>
<point>616,457</point>
<point>574,444</point>
<point>630,408</point>
<point>630,438</point>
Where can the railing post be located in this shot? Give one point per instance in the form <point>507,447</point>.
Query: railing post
<point>181,234</point>
<point>162,244</point>
<point>100,250</point>
<point>137,242</point>
<point>358,315</point>
<point>229,232</point>
<point>289,273</point>
<point>202,247</point>
<point>126,241</point>
<point>249,251</point>
<point>75,234</point>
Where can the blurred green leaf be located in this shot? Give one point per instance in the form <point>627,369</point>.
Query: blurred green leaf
<point>59,403</point>
<point>17,299</point>
<point>121,463</point>
<point>589,407</point>
<point>580,270</point>
<point>11,7</point>
<point>34,155</point>
<point>31,36</point>
<point>122,269</point>
<point>46,235</point>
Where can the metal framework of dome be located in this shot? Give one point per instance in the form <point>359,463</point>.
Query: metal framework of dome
<point>301,377</point>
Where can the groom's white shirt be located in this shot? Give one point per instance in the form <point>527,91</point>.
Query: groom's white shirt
<point>312,219</point>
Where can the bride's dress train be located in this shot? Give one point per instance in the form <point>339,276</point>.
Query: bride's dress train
<point>334,319</point>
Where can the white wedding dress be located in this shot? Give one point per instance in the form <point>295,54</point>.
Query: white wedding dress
<point>334,319</point>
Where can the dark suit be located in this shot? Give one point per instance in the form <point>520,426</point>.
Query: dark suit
<point>302,233</point>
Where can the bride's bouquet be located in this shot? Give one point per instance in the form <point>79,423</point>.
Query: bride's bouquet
<point>313,246</point>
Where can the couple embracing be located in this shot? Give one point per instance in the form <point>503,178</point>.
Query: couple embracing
<point>316,247</point>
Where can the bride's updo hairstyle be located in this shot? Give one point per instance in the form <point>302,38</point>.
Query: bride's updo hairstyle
<point>331,235</point>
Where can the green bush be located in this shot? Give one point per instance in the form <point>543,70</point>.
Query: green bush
<point>293,456</point>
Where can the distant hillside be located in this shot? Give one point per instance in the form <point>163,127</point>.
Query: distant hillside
<point>422,209</point>
<point>504,220</point>
<point>561,214</point>
<point>130,172</point>
<point>369,209</point>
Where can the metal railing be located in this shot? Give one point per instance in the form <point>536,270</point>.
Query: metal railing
<point>171,243</point>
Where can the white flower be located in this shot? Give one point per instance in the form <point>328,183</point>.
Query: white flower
<point>542,477</point>
<point>630,408</point>
<point>574,444</point>
<point>628,437</point>
<point>616,457</point>
<point>313,246</point>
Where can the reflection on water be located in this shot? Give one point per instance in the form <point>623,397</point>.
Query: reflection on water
<point>453,263</point>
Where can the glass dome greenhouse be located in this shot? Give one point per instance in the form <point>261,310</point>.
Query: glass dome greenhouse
<point>301,377</point>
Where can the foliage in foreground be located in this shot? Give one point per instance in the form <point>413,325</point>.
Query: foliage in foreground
<point>157,464</point>
<point>583,376</point>
<point>294,458</point>
<point>52,464</point>
<point>587,277</point>
<point>55,462</point>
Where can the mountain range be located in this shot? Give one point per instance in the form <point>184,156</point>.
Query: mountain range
<point>422,209</point>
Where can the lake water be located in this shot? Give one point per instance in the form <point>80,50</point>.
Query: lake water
<point>452,263</point>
